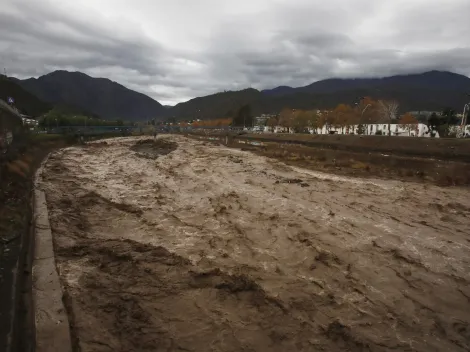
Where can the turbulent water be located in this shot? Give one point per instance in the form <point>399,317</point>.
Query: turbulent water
<point>205,248</point>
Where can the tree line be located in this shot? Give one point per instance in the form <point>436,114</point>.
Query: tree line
<point>57,118</point>
<point>210,123</point>
<point>345,117</point>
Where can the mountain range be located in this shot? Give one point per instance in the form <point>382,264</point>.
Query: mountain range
<point>434,90</point>
<point>100,96</point>
<point>433,80</point>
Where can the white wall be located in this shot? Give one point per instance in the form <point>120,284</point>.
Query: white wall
<point>421,130</point>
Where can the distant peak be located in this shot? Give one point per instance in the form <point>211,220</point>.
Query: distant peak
<point>62,73</point>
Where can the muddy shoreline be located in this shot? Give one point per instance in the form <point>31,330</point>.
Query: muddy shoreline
<point>366,157</point>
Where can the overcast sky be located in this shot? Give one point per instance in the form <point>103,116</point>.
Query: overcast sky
<point>174,50</point>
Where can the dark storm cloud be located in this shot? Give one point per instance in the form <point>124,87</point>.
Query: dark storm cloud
<point>44,38</point>
<point>319,40</point>
<point>174,52</point>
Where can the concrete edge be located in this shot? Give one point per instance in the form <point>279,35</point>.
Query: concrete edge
<point>52,329</point>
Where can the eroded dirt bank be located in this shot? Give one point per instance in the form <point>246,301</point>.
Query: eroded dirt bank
<point>214,249</point>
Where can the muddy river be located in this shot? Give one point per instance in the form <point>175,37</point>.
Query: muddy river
<point>199,247</point>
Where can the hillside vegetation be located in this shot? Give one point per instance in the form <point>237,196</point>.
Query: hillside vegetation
<point>99,96</point>
<point>26,102</point>
<point>213,106</point>
<point>428,91</point>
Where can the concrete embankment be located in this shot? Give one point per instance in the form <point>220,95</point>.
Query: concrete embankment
<point>51,321</point>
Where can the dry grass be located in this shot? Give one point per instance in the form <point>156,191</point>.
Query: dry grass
<point>294,157</point>
<point>358,165</point>
<point>23,165</point>
<point>370,164</point>
<point>18,167</point>
<point>28,159</point>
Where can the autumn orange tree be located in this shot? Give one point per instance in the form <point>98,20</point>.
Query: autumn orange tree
<point>367,112</point>
<point>225,122</point>
<point>212,123</point>
<point>409,122</point>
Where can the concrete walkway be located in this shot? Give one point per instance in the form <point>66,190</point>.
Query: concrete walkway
<point>52,324</point>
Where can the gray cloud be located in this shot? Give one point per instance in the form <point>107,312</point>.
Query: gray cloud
<point>173,51</point>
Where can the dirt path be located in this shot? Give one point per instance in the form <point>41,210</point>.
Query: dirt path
<point>215,249</point>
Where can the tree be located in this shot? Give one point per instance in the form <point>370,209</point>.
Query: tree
<point>243,117</point>
<point>360,129</point>
<point>450,116</point>
<point>409,122</point>
<point>441,123</point>
<point>312,119</point>
<point>388,111</point>
<point>434,120</point>
<point>226,122</point>
<point>286,118</point>
<point>434,123</point>
<point>273,121</point>
<point>324,120</point>
<point>301,120</point>
<point>367,111</point>
<point>343,115</point>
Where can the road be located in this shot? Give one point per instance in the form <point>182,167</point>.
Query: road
<point>208,248</point>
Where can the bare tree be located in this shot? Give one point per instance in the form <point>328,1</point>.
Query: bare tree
<point>313,119</point>
<point>388,110</point>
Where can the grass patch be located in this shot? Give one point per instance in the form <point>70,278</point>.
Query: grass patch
<point>358,165</point>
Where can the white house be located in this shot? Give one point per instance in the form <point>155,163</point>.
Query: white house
<point>281,129</point>
<point>419,130</point>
